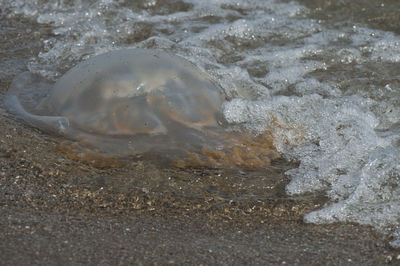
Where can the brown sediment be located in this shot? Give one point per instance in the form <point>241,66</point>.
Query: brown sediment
<point>238,150</point>
<point>83,152</point>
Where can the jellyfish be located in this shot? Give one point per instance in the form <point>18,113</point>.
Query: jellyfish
<point>137,102</point>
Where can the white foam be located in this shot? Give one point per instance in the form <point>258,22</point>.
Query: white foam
<point>339,150</point>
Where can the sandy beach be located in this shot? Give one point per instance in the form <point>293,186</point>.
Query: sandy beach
<point>59,211</point>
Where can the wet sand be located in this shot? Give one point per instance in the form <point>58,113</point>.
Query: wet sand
<point>59,211</point>
<point>56,210</point>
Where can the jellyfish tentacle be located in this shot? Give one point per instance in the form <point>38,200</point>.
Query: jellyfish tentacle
<point>56,124</point>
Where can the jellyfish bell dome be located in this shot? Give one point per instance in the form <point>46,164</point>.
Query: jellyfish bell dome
<point>130,101</point>
<point>135,91</point>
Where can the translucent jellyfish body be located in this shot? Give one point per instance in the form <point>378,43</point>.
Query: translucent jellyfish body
<point>136,102</point>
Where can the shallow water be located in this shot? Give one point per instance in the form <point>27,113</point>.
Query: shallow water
<point>321,77</point>
<point>123,102</point>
